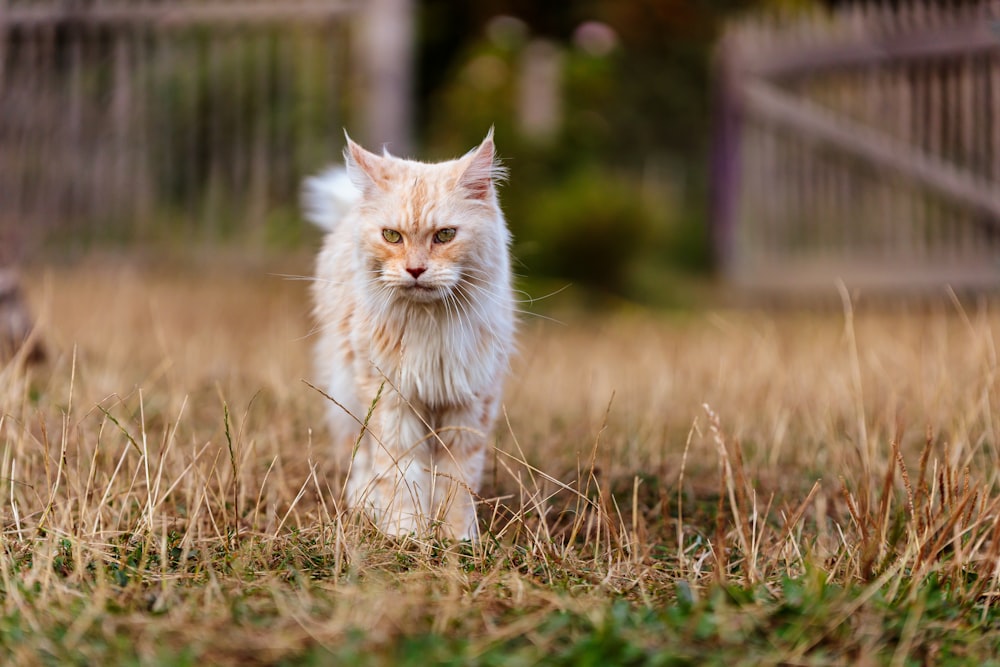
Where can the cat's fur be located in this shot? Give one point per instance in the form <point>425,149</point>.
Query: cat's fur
<point>432,345</point>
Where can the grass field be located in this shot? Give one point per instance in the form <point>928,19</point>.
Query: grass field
<point>720,487</point>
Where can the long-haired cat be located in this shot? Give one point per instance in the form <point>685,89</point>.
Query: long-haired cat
<point>415,312</point>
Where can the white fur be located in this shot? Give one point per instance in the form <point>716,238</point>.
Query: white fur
<point>328,197</point>
<point>441,352</point>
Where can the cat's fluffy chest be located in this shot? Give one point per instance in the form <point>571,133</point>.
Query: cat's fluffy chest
<point>434,357</point>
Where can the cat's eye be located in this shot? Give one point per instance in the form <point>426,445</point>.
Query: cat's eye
<point>392,236</point>
<point>444,235</point>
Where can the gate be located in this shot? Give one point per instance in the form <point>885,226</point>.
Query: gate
<point>861,145</point>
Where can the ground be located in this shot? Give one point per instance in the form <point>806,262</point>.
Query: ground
<point>715,486</point>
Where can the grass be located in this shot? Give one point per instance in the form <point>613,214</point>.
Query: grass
<point>717,487</point>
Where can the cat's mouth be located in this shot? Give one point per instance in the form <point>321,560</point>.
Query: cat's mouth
<point>421,292</point>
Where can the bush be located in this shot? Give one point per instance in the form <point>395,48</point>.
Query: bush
<point>588,228</point>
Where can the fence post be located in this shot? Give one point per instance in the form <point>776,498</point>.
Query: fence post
<point>385,53</point>
<point>725,156</point>
<point>3,41</point>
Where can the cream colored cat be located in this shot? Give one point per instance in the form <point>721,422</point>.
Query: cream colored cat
<point>414,305</point>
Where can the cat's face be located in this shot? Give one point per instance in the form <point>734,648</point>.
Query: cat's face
<point>428,232</point>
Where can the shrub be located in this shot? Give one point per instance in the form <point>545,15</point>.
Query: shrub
<point>588,229</point>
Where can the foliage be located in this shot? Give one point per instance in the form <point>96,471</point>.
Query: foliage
<point>588,229</point>
<point>602,183</point>
<point>573,202</point>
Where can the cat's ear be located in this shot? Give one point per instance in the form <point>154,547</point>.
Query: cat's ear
<point>480,170</point>
<point>367,171</point>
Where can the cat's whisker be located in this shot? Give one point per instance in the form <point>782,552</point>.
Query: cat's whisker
<point>487,279</point>
<point>490,276</point>
<point>484,285</point>
<point>495,341</point>
<point>540,316</point>
<point>520,311</point>
<point>476,270</point>
<point>471,304</point>
<point>385,296</point>
<point>533,299</point>
<point>313,279</point>
<point>496,297</point>
<point>312,332</point>
<point>474,304</point>
<point>452,304</point>
<point>463,316</point>
<point>452,298</point>
<point>518,261</point>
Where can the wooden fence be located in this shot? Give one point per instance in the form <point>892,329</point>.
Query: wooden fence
<point>861,145</point>
<point>199,118</point>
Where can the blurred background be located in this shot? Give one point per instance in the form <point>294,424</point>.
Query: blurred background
<point>654,146</point>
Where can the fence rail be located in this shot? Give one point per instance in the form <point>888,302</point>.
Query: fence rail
<point>861,145</point>
<point>177,14</point>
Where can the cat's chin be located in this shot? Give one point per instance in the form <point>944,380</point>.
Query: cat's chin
<point>421,293</point>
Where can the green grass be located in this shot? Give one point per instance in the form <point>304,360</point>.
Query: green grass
<point>717,487</point>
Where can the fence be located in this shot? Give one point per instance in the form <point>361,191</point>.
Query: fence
<point>198,117</point>
<point>861,145</point>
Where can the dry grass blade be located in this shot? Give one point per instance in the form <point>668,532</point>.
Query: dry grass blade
<point>627,521</point>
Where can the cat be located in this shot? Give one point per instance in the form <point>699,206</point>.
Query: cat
<point>414,307</point>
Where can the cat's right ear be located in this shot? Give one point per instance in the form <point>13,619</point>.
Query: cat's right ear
<point>366,170</point>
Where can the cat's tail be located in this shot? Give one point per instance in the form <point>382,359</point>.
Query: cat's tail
<point>328,197</point>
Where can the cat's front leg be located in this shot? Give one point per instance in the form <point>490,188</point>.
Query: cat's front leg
<point>395,488</point>
<point>459,458</point>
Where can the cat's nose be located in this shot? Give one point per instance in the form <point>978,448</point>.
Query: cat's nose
<point>416,272</point>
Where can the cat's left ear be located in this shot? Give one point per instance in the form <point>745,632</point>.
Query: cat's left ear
<point>481,169</point>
